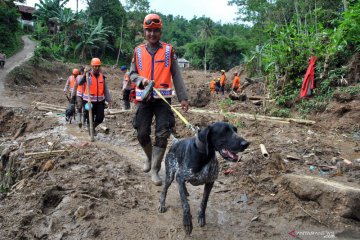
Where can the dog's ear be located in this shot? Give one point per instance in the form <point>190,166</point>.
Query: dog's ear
<point>203,136</point>
<point>235,128</point>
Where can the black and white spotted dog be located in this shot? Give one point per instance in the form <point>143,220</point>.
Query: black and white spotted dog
<point>193,160</point>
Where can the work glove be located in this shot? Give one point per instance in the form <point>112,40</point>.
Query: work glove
<point>147,93</point>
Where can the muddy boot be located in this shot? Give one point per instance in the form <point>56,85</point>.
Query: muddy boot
<point>148,151</point>
<point>157,156</point>
<point>126,105</point>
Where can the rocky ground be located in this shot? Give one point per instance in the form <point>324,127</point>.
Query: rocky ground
<point>307,188</point>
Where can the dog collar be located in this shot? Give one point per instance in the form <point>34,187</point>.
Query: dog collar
<point>200,145</point>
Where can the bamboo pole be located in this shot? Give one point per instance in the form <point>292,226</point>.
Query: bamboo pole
<point>264,152</point>
<point>257,117</point>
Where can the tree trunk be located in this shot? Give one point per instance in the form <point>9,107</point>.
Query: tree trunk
<point>121,37</point>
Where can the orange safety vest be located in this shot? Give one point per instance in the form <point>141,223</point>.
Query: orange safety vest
<point>155,67</point>
<point>222,80</point>
<point>80,88</point>
<point>236,82</point>
<point>71,82</point>
<point>97,86</point>
<point>212,85</point>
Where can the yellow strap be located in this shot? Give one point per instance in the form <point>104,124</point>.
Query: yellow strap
<point>176,111</point>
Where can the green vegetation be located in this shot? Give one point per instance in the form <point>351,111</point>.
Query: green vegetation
<point>277,43</point>
<point>10,31</point>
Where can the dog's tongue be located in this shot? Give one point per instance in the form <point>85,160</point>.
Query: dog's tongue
<point>228,153</point>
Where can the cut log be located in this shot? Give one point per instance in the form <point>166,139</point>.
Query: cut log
<point>257,98</point>
<point>42,153</point>
<point>117,111</point>
<point>256,117</point>
<point>104,128</point>
<point>48,107</point>
<point>264,152</point>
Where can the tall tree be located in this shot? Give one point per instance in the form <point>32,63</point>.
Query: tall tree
<point>206,29</point>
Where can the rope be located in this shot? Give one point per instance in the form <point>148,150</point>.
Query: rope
<point>188,125</point>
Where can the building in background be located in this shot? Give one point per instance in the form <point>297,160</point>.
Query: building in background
<point>183,63</point>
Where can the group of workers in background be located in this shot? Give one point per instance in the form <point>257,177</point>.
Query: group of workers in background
<point>153,73</point>
<point>218,85</point>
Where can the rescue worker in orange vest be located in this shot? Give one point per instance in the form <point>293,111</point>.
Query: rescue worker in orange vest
<point>70,82</point>
<point>236,83</point>
<point>212,86</point>
<point>99,92</point>
<point>69,86</point>
<point>222,81</point>
<point>126,87</point>
<point>155,61</point>
<point>79,98</point>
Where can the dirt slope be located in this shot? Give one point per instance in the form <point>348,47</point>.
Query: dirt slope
<point>96,190</point>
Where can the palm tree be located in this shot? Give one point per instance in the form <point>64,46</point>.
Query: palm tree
<point>49,10</point>
<point>93,36</point>
<point>206,30</point>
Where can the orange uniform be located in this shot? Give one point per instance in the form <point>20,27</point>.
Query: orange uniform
<point>97,85</point>
<point>222,80</point>
<point>156,68</point>
<point>213,86</point>
<point>236,83</point>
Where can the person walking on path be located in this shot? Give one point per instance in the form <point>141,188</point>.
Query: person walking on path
<point>222,81</point>
<point>126,87</point>
<point>2,60</point>
<point>99,92</point>
<point>155,63</point>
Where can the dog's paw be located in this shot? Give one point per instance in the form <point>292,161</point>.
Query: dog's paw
<point>187,224</point>
<point>201,219</point>
<point>162,208</point>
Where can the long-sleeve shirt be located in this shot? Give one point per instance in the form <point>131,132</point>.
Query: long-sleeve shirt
<point>67,85</point>
<point>177,79</point>
<point>126,82</point>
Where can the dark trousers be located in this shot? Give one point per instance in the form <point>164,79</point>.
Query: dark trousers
<point>97,111</point>
<point>222,89</point>
<point>164,122</point>
<point>126,98</point>
<point>79,104</point>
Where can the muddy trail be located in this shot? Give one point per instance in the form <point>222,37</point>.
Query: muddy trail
<point>56,184</point>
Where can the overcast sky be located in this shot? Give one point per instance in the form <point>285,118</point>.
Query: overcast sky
<point>217,10</point>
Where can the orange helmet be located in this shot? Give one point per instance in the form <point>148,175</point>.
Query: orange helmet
<point>152,21</point>
<point>95,62</point>
<point>75,71</point>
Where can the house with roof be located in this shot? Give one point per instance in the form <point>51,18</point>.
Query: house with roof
<point>183,63</point>
<point>26,15</point>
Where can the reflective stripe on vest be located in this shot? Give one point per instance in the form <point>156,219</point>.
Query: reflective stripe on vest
<point>155,67</point>
<point>71,82</point>
<point>96,88</point>
<point>80,88</point>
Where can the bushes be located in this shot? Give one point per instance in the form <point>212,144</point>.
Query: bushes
<point>10,31</point>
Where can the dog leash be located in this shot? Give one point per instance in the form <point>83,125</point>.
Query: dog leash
<point>188,125</point>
